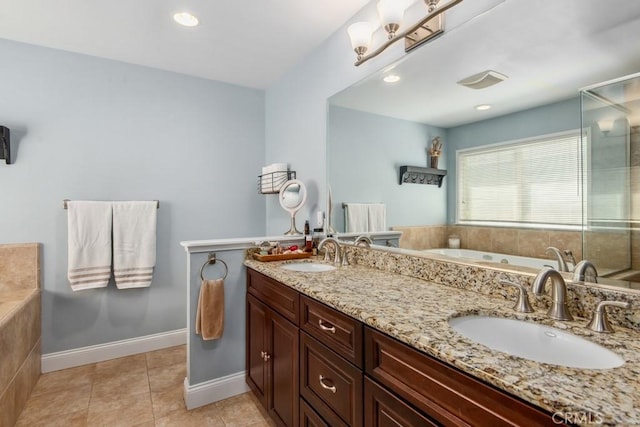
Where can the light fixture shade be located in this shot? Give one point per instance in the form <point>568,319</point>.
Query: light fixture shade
<point>605,125</point>
<point>360,34</point>
<point>391,12</point>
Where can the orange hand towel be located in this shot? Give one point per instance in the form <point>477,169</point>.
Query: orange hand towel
<point>210,312</point>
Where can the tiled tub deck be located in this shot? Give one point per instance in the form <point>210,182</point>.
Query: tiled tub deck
<point>19,327</point>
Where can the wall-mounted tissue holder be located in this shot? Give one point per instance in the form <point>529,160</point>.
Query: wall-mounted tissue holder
<point>5,145</point>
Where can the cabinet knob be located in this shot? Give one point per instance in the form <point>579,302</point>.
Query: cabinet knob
<point>322,325</point>
<point>266,357</point>
<point>331,388</point>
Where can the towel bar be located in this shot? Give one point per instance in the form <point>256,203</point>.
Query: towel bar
<point>64,203</point>
<point>212,260</point>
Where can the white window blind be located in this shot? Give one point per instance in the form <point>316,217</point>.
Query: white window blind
<point>532,182</point>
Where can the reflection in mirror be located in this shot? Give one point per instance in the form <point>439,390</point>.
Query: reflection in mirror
<point>292,196</point>
<point>611,115</point>
<point>548,53</point>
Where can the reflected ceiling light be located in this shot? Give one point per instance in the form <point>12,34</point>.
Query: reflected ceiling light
<point>186,19</point>
<point>391,78</point>
<point>483,107</point>
<point>391,13</point>
<point>483,80</point>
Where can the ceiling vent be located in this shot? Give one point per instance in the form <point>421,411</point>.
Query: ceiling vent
<point>483,80</point>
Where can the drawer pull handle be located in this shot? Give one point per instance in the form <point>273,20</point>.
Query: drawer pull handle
<point>331,329</point>
<point>332,388</point>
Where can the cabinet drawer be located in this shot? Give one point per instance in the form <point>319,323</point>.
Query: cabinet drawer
<point>309,417</point>
<point>331,385</point>
<point>276,295</point>
<point>381,408</point>
<point>337,331</point>
<point>445,394</point>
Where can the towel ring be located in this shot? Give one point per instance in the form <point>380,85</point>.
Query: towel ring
<point>212,260</point>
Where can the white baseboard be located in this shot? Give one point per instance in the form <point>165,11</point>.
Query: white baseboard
<point>214,390</point>
<point>98,353</point>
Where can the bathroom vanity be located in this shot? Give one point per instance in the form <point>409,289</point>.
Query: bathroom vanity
<point>359,346</point>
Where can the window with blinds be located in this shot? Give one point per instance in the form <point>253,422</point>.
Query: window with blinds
<point>533,182</point>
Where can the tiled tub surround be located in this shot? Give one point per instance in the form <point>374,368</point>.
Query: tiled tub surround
<point>402,295</point>
<point>513,241</point>
<point>20,351</point>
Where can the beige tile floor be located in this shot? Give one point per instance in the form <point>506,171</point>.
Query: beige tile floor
<point>141,390</point>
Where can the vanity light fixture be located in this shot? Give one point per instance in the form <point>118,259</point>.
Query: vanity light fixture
<point>605,126</point>
<point>391,13</point>
<point>483,107</point>
<point>186,19</point>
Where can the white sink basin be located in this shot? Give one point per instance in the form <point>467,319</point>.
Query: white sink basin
<point>535,342</point>
<point>308,267</point>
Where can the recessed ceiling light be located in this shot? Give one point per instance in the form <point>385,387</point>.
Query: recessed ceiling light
<point>391,78</point>
<point>483,107</point>
<point>186,19</point>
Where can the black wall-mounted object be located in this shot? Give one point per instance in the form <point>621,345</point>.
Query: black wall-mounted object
<point>5,144</point>
<point>420,175</point>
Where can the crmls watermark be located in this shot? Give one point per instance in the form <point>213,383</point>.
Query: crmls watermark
<point>581,418</point>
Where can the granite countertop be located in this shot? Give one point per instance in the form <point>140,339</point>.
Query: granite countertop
<point>416,311</point>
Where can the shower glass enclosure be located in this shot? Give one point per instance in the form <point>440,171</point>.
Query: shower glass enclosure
<point>611,171</point>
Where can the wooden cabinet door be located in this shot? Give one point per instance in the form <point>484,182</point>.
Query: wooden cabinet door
<point>256,347</point>
<point>283,369</point>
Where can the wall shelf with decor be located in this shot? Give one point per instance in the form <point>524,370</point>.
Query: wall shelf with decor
<point>420,175</point>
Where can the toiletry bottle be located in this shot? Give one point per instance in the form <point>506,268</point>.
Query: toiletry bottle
<point>308,239</point>
<point>317,232</point>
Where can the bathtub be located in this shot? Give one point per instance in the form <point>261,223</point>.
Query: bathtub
<point>20,320</point>
<point>473,255</point>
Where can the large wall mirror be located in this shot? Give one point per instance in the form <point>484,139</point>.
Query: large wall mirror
<point>548,51</point>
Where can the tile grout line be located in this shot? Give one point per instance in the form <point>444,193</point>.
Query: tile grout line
<point>146,366</point>
<point>93,383</point>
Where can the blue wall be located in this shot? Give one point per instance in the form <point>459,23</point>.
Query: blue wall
<point>88,128</point>
<point>557,117</point>
<point>364,153</point>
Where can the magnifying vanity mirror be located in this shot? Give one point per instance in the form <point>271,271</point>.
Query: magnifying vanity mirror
<point>292,196</point>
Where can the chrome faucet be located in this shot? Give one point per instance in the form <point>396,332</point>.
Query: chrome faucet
<point>562,264</point>
<point>336,245</point>
<point>585,271</point>
<point>559,309</point>
<point>363,239</point>
<point>569,255</point>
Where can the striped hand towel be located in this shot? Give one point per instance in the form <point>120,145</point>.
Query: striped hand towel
<point>134,243</point>
<point>89,244</point>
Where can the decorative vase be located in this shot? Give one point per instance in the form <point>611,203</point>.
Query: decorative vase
<point>434,162</point>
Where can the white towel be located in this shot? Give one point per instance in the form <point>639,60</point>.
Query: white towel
<point>377,217</point>
<point>89,241</point>
<point>356,217</point>
<point>134,243</point>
